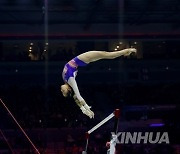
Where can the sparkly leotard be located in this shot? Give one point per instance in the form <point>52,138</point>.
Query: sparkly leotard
<point>70,68</point>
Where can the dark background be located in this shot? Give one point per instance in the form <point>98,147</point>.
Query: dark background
<point>38,37</point>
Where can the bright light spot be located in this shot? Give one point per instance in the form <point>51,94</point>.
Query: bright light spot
<point>157,125</point>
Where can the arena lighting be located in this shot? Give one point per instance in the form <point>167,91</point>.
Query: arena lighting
<point>31,44</point>
<point>115,49</point>
<point>117,46</point>
<point>135,42</point>
<point>157,125</point>
<point>120,42</point>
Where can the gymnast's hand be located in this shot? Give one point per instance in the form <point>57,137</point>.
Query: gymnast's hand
<point>88,108</point>
<point>84,107</point>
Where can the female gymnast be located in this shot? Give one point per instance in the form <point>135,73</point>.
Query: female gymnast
<point>70,71</point>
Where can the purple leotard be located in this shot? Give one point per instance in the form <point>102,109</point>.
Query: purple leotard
<point>71,67</point>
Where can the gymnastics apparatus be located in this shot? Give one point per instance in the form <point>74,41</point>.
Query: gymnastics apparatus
<point>112,143</point>
<point>22,130</point>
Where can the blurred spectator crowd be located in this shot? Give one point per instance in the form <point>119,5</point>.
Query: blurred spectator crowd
<point>59,51</point>
<point>38,107</point>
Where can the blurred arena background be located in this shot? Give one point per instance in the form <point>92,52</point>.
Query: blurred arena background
<point>38,37</point>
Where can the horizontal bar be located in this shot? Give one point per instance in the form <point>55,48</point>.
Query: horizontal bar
<point>101,123</point>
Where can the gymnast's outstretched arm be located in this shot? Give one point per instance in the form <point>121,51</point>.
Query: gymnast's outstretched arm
<point>79,100</point>
<point>73,84</point>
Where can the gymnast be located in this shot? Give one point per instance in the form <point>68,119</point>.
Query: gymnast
<point>70,71</point>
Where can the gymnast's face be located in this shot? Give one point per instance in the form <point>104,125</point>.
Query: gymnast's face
<point>65,89</point>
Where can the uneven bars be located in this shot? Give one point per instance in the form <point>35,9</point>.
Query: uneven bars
<point>101,123</point>
<point>7,141</point>
<point>116,113</point>
<point>20,127</point>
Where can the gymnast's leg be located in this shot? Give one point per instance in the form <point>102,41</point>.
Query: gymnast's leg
<point>92,56</point>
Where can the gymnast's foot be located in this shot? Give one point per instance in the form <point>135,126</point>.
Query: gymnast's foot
<point>129,51</point>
